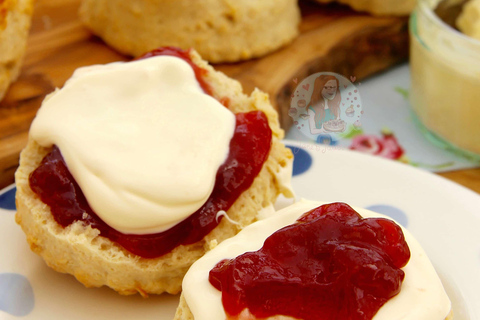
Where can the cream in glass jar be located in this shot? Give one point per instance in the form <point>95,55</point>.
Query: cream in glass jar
<point>445,74</point>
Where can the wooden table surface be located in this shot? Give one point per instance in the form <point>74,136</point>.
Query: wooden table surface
<point>58,44</point>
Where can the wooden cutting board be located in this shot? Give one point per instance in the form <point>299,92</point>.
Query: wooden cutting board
<point>333,38</point>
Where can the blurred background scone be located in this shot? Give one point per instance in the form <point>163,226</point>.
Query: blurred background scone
<point>469,20</point>
<point>220,30</point>
<point>379,7</point>
<point>15,20</point>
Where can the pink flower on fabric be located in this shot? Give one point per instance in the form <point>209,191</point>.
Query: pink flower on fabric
<point>386,146</point>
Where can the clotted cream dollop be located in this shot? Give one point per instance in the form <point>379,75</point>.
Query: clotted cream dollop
<point>142,140</point>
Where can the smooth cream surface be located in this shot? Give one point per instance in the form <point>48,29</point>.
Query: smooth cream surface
<point>422,296</point>
<point>142,139</point>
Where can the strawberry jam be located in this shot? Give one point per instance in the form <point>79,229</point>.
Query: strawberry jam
<point>249,149</point>
<point>184,55</point>
<point>330,264</point>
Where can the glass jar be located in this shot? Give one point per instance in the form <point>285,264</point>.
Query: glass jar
<point>445,81</point>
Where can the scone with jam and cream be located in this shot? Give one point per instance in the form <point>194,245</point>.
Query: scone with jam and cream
<point>315,262</point>
<point>134,170</point>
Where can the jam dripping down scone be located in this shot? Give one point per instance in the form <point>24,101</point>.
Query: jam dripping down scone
<point>219,30</point>
<point>313,262</point>
<point>114,194</point>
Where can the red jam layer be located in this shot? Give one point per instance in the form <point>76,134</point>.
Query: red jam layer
<point>249,149</point>
<point>330,264</point>
<point>185,55</point>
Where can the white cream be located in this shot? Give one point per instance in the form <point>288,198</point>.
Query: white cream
<point>422,296</point>
<point>142,139</point>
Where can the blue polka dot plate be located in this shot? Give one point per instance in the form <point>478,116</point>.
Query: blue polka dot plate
<point>443,216</point>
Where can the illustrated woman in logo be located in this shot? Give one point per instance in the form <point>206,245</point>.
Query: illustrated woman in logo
<point>325,102</point>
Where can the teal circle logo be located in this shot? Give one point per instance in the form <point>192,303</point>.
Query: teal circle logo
<point>325,105</point>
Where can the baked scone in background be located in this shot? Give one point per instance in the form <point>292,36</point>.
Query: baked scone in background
<point>379,7</point>
<point>96,261</point>
<point>219,30</point>
<point>469,20</point>
<point>15,21</point>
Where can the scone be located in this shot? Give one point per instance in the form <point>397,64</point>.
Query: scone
<point>379,7</point>
<point>469,20</point>
<point>149,164</point>
<point>219,30</point>
<point>315,261</point>
<point>15,20</point>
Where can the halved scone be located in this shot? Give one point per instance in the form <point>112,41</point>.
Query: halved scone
<point>79,247</point>
<point>316,261</point>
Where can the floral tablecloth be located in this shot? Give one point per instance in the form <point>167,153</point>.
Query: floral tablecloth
<point>388,127</point>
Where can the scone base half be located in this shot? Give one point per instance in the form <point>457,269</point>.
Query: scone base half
<point>96,261</point>
<point>184,313</point>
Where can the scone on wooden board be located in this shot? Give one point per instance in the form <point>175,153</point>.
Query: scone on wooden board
<point>469,20</point>
<point>15,20</point>
<point>314,261</point>
<point>219,30</point>
<point>379,7</point>
<point>180,82</point>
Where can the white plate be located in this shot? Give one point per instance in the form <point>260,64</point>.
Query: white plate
<point>443,216</point>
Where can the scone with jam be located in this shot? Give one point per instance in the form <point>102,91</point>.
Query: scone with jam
<point>316,262</point>
<point>134,170</point>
